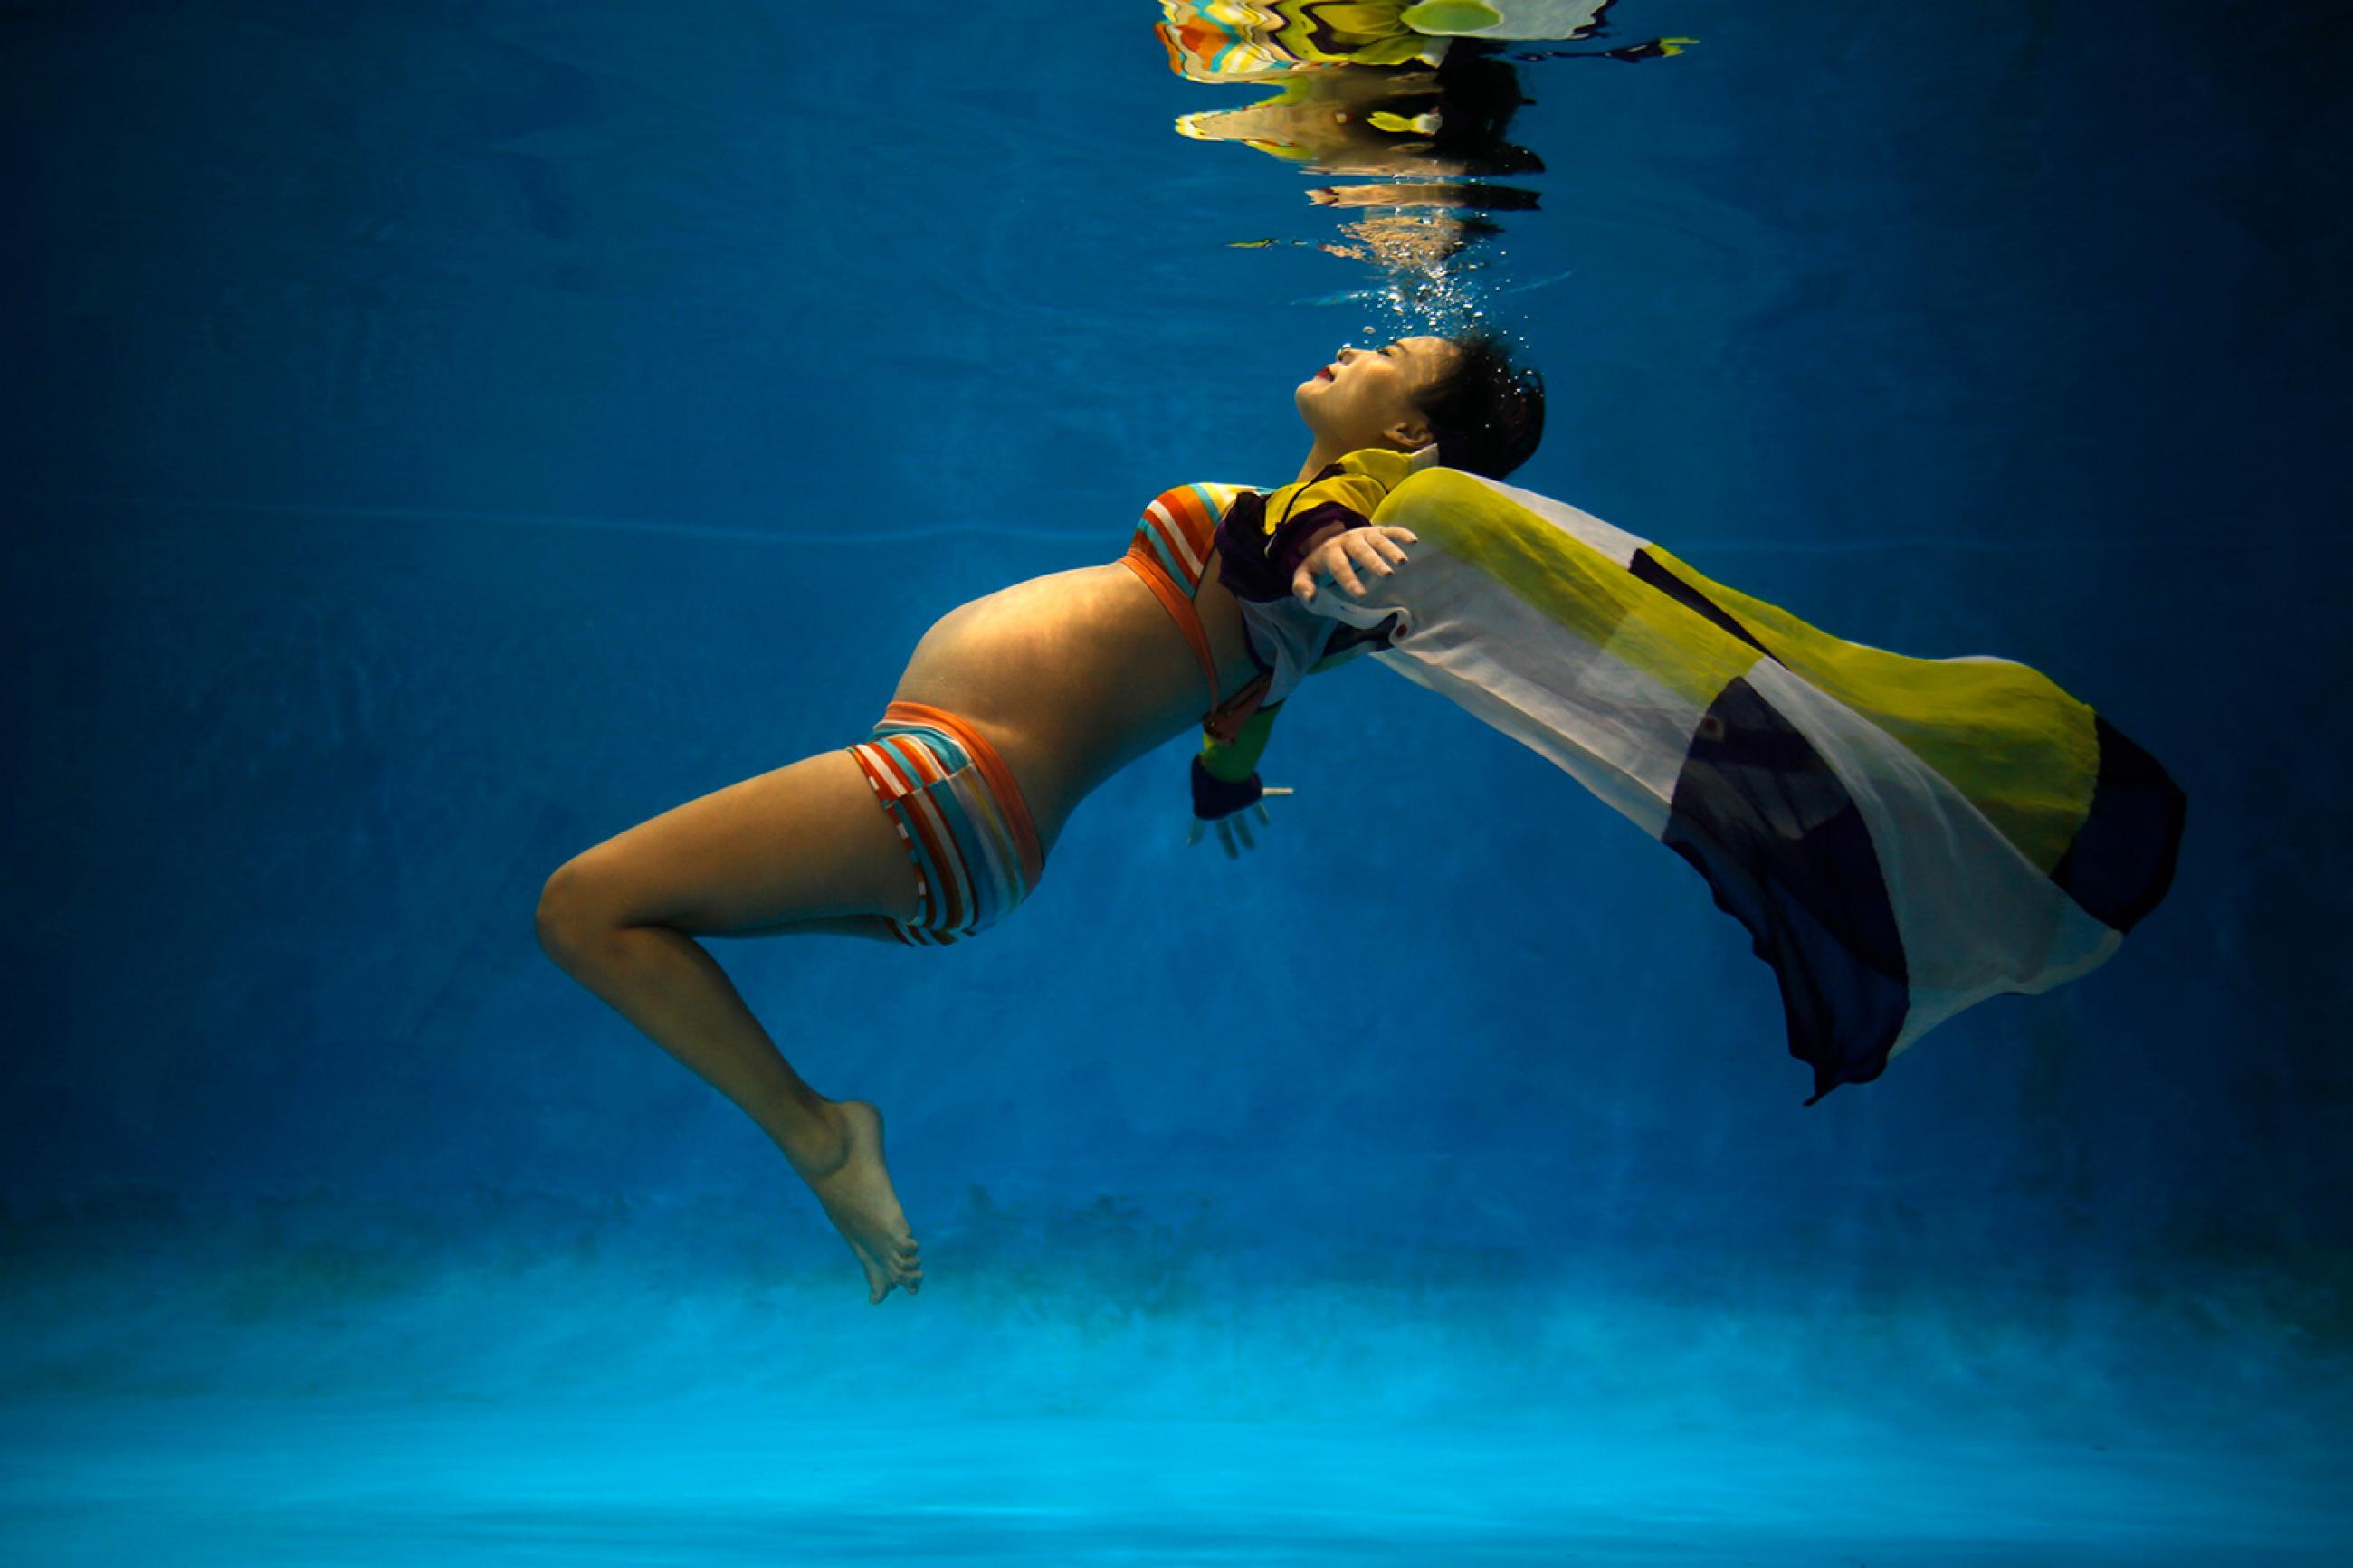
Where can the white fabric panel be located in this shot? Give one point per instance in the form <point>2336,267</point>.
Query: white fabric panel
<point>1613,728</point>
<point>1288,639</point>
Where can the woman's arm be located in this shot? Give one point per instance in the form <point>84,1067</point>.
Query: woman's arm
<point>1225,772</point>
<point>1225,782</point>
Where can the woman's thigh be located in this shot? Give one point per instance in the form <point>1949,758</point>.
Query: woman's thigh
<point>873,928</point>
<point>806,847</point>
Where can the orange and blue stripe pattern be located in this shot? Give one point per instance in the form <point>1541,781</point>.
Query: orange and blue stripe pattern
<point>1179,531</point>
<point>967,831</point>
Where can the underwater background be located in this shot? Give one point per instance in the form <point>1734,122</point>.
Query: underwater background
<point>439,437</point>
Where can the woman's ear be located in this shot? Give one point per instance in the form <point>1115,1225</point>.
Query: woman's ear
<point>1408,435</point>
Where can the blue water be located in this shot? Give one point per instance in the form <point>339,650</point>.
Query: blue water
<point>439,437</point>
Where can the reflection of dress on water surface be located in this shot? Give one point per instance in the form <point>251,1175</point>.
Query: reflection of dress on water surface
<point>1902,837</point>
<point>1248,40</point>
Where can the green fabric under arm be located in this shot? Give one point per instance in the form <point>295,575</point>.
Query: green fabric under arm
<point>1235,762</point>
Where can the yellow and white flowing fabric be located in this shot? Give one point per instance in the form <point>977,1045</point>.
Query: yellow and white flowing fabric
<point>1902,837</point>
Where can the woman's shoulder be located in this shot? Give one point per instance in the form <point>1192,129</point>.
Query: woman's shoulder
<point>1387,469</point>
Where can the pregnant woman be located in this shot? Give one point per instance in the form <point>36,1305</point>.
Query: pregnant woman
<point>1902,837</point>
<point>1012,708</point>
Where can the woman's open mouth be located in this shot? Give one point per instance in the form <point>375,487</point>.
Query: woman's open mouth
<point>1323,374</point>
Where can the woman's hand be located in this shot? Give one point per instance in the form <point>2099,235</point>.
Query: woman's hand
<point>1235,824</point>
<point>1372,548</point>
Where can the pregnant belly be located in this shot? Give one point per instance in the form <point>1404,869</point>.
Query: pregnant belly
<point>1072,675</point>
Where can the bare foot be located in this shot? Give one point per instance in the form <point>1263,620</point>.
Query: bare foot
<point>858,1198</point>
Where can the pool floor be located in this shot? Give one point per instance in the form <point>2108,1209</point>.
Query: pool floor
<point>220,1480</point>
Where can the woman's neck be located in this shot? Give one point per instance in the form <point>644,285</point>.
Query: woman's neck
<point>1321,458</point>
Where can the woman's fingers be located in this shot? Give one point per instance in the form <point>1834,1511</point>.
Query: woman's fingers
<point>1372,548</point>
<point>1232,827</point>
<point>1349,552</point>
<point>1228,825</point>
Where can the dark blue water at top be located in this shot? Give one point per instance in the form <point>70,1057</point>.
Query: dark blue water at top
<point>438,437</point>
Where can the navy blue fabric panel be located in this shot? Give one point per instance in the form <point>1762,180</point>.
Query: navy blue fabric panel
<point>2121,863</point>
<point>1646,570</point>
<point>1785,850</point>
<point>1241,551</point>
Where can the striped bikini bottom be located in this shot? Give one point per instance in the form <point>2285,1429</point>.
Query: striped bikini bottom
<point>961,814</point>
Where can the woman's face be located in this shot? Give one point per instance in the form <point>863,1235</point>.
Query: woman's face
<point>1370,397</point>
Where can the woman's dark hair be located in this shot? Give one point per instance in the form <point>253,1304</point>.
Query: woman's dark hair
<point>1486,414</point>
<point>1478,95</point>
<point>1473,98</point>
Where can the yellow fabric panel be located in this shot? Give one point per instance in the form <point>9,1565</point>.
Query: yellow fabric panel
<point>2022,750</point>
<point>1571,583</point>
<point>1366,477</point>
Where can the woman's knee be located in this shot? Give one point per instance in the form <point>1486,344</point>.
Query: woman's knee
<point>570,918</point>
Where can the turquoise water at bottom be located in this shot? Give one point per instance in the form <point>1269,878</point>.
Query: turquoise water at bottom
<point>222,1480</point>
<point>685,1387</point>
